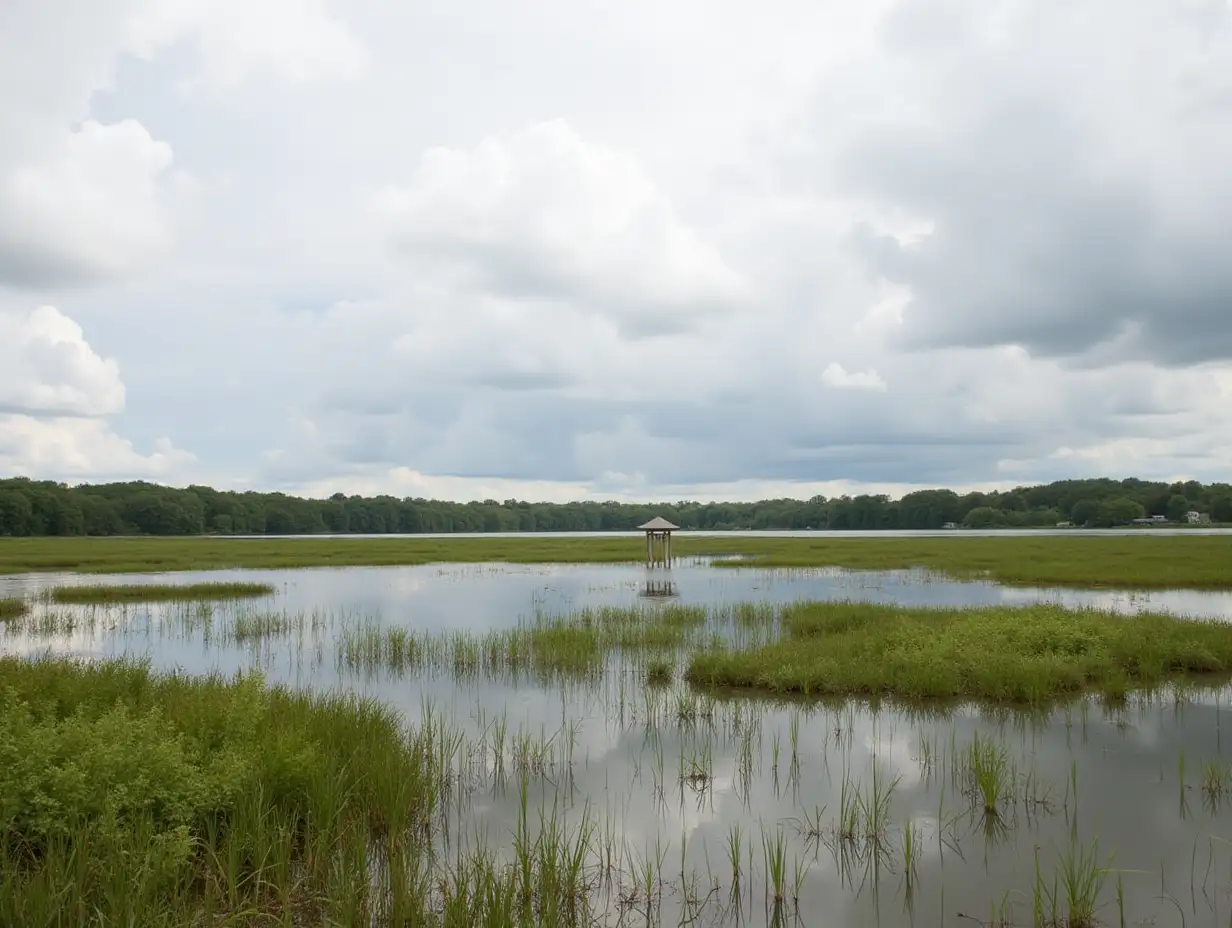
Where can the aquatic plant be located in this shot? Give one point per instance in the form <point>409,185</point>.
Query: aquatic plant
<point>97,593</point>
<point>1071,898</point>
<point>13,608</point>
<point>988,774</point>
<point>659,672</point>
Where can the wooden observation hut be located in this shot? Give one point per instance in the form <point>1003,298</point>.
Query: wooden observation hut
<point>659,541</point>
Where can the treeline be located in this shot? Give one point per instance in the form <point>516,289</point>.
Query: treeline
<point>29,507</point>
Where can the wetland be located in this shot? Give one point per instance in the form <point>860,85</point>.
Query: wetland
<point>868,740</point>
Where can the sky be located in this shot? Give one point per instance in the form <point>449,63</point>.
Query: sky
<point>571,249</point>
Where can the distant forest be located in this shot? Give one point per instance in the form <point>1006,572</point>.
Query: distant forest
<point>29,507</point>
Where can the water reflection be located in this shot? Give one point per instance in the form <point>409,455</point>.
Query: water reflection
<point>659,588</point>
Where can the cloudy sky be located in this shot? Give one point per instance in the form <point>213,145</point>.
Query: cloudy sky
<point>574,248</point>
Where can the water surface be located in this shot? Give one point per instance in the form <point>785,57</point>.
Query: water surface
<point>670,778</point>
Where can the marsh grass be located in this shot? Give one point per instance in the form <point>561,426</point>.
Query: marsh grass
<point>575,645</point>
<point>13,608</point>
<point>1138,561</point>
<point>144,800</point>
<point>659,672</point>
<point>989,775</point>
<point>1032,654</point>
<point>259,626</point>
<point>101,594</point>
<point>137,799</point>
<point>1072,897</point>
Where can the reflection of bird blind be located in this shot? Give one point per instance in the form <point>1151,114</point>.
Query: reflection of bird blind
<point>659,589</point>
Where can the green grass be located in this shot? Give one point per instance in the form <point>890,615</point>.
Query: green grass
<point>1141,560</point>
<point>133,799</point>
<point>548,647</point>
<point>13,608</point>
<point>1000,654</point>
<point>99,594</point>
<point>659,672</point>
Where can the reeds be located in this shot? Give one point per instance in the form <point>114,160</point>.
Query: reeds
<point>1072,897</point>
<point>101,594</point>
<point>13,608</point>
<point>659,672</point>
<point>989,776</point>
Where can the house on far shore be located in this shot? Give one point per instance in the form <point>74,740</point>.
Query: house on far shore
<point>1198,518</point>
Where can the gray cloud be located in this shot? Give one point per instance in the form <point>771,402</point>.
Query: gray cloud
<point>1066,215</point>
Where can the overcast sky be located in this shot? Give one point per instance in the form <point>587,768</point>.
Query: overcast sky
<point>562,249</point>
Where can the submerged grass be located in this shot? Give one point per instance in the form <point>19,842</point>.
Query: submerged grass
<point>13,608</point>
<point>100,594</point>
<point>1030,654</point>
<point>573,645</point>
<point>1135,561</point>
<point>135,799</point>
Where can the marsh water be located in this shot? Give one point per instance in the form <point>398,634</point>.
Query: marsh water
<point>703,810</point>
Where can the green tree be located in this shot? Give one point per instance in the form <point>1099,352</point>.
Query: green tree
<point>1221,508</point>
<point>984,517</point>
<point>1120,511</point>
<point>16,513</point>
<point>1178,505</point>
<point>1084,511</point>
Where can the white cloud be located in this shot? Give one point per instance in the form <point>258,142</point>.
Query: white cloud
<point>46,366</point>
<point>82,199</point>
<point>56,395</point>
<point>835,375</point>
<point>77,449</point>
<point>95,205</point>
<point>541,214</point>
<point>293,40</point>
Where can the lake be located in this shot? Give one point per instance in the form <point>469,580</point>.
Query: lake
<point>704,810</point>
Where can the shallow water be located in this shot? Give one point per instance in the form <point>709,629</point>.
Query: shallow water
<point>667,776</point>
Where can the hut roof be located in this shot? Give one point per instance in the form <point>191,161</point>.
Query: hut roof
<point>658,524</point>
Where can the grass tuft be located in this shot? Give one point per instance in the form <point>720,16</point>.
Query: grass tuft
<point>659,673</point>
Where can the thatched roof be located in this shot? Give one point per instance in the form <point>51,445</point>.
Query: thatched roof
<point>658,524</point>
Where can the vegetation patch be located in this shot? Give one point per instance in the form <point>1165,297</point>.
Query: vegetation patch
<point>157,593</point>
<point>659,672</point>
<point>1003,654</point>
<point>135,799</point>
<point>546,647</point>
<point>13,608</point>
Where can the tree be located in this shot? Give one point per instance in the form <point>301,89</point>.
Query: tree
<point>1221,508</point>
<point>1084,511</point>
<point>984,517</point>
<point>1178,505</point>
<point>16,513</point>
<point>1120,511</point>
